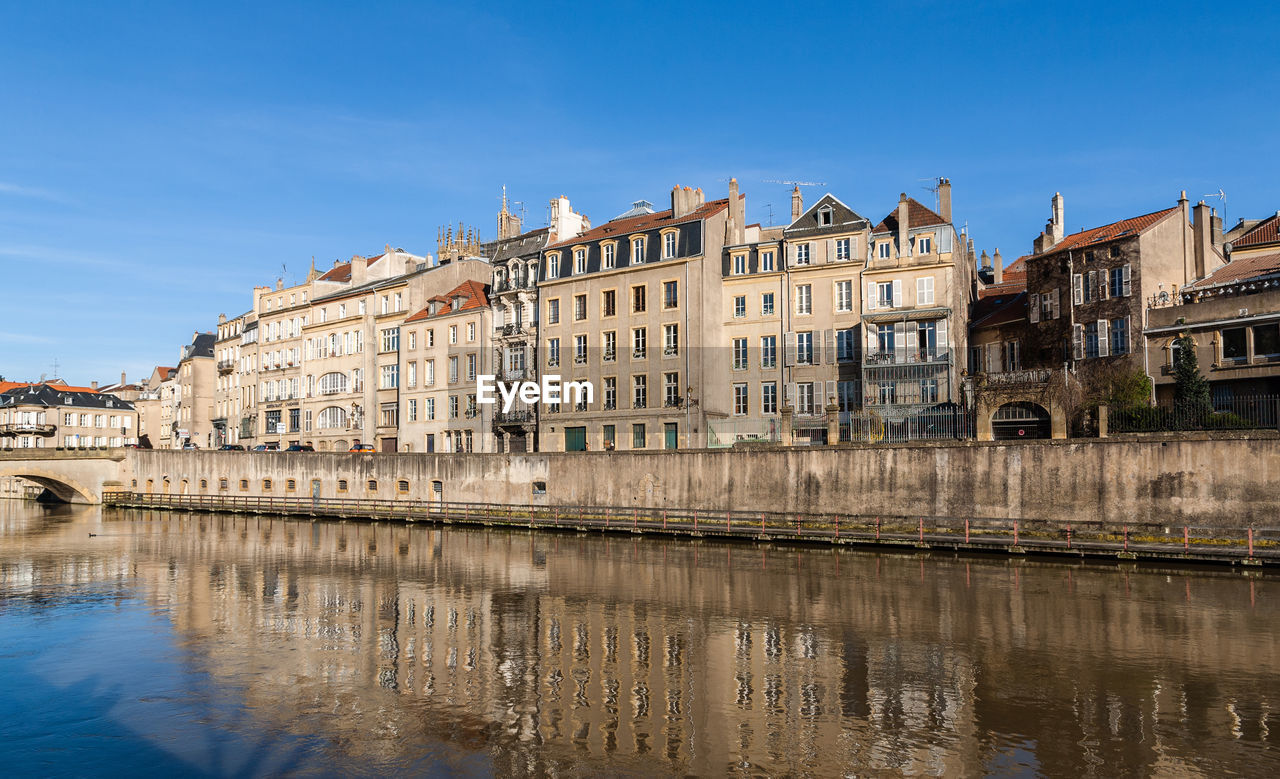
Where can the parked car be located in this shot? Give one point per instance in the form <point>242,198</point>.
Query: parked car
<point>190,446</point>
<point>361,448</point>
<point>231,448</point>
<point>300,448</point>
<point>266,448</point>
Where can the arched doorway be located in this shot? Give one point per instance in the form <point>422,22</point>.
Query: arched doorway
<point>1020,420</point>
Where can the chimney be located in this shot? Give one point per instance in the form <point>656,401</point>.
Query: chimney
<point>944,199</point>
<point>986,261</point>
<point>122,382</point>
<point>903,246</point>
<point>1057,225</point>
<point>1215,228</point>
<point>997,268</point>
<point>93,385</point>
<point>1202,238</point>
<point>735,227</point>
<point>359,270</point>
<point>279,284</point>
<point>797,203</point>
<point>1039,244</point>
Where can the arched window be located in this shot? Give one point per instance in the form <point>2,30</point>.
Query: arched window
<point>332,418</point>
<point>333,383</point>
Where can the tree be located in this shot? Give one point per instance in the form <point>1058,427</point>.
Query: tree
<point>1190,389</point>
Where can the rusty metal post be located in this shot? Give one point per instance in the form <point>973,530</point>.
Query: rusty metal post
<point>966,530</point>
<point>1015,532</point>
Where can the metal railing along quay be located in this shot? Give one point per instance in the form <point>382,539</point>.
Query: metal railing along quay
<point>1138,541</point>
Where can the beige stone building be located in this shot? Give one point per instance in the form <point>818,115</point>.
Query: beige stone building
<point>619,307</point>
<point>154,415</point>
<point>917,287</point>
<point>282,314</point>
<point>192,394</point>
<point>228,402</point>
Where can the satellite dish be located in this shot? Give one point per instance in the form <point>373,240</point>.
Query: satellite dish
<point>1164,297</point>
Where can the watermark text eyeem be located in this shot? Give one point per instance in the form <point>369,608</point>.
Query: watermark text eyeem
<point>550,391</point>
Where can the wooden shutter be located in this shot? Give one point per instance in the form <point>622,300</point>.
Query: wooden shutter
<point>942,338</point>
<point>897,293</point>
<point>1104,289</point>
<point>899,341</point>
<point>789,349</point>
<point>1077,342</point>
<point>1077,289</point>
<point>872,338</point>
<point>1033,307</point>
<point>1053,303</point>
<point>871,295</point>
<point>829,346</point>
<point>993,358</point>
<point>1126,281</point>
<point>791,255</point>
<point>790,400</point>
<point>831,250</point>
<point>1104,343</point>
<point>831,392</point>
<point>913,340</point>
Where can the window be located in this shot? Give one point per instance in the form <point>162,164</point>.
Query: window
<point>430,411</point>
<point>885,249</point>
<point>924,244</point>
<point>610,346</point>
<point>372,485</point>
<point>637,299</point>
<point>670,294</point>
<point>1266,340</point>
<point>332,418</point>
<point>391,339</point>
<point>579,307</point>
<point>579,261</point>
<point>411,375</point>
<point>669,244</point>
<point>739,306</point>
<point>411,410</point>
<point>804,299</point>
<point>739,264</point>
<point>804,348</point>
<point>639,391</point>
<point>610,437</point>
<point>1120,336</point>
<point>671,389</point>
<point>740,399</point>
<point>824,216</point>
<point>553,352</point>
<point>471,332</point>
<point>842,249</point>
<point>244,484</point>
<point>739,354</point>
<point>553,311</point>
<point>844,296</point>
<point>266,485</point>
<point>769,397</point>
<point>553,266</point>
<point>342,485</point>
<point>924,291</point>
<point>1234,344</point>
<point>607,252</point>
<point>639,337</point>
<point>637,251</point>
<point>453,334</point>
<point>1120,281</point>
<point>846,345</point>
<point>768,351</point>
<point>670,339</point>
<point>927,340</point>
<point>609,303</point>
<point>802,254</point>
<point>884,340</point>
<point>390,377</point>
<point>453,406</point>
<point>1091,339</point>
<point>637,436</point>
<point>610,393</point>
<point>453,369</point>
<point>928,390</point>
<point>847,395</point>
<point>804,398</point>
<point>580,349</point>
<point>884,294</point>
<point>766,262</point>
<point>413,340</point>
<point>471,367</point>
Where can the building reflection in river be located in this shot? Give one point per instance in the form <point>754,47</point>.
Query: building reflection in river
<point>562,652</point>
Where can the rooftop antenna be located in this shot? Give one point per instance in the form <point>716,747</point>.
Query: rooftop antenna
<point>770,207</point>
<point>55,369</point>
<point>1223,197</point>
<point>936,181</point>
<point>796,183</point>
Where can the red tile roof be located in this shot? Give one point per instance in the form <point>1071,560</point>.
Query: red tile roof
<point>1243,269</point>
<point>1266,231</point>
<point>1108,232</point>
<point>5,386</point>
<point>635,224</point>
<point>995,310</point>
<point>343,272</point>
<point>918,215</point>
<point>1014,279</point>
<point>472,294</point>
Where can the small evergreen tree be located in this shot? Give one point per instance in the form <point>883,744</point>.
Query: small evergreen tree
<point>1191,398</point>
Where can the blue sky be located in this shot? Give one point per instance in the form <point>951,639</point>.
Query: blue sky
<point>159,160</point>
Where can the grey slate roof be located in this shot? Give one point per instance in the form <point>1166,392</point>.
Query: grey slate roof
<point>843,219</point>
<point>52,397</point>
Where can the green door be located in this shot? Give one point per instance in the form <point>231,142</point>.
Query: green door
<point>575,439</point>
<point>672,433</point>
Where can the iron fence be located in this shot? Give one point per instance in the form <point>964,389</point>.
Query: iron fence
<point>1237,413</point>
<point>930,424</point>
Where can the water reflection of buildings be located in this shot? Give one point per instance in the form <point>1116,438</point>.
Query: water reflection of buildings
<point>554,652</point>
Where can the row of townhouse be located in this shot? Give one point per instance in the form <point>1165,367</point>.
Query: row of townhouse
<point>53,414</point>
<point>692,327</point>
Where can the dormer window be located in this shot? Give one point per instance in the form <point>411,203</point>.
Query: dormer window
<point>607,253</point>
<point>637,251</point>
<point>579,261</point>
<point>924,244</point>
<point>553,266</point>
<point>669,245</point>
<point>886,251</point>
<point>825,217</point>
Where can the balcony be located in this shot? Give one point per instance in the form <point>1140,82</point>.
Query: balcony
<point>27,428</point>
<point>674,401</point>
<point>671,351</point>
<point>513,374</point>
<point>520,417</point>
<point>513,330</point>
<point>226,366</point>
<point>638,354</point>
<point>904,357</point>
<point>553,362</point>
<point>580,359</point>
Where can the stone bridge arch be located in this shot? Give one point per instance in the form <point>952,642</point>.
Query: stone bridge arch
<point>70,477</point>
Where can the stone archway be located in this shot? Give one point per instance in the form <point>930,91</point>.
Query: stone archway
<point>1021,420</point>
<point>63,489</point>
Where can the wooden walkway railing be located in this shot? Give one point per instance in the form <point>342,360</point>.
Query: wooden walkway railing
<point>1246,546</point>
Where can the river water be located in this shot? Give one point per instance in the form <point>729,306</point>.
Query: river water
<point>234,645</point>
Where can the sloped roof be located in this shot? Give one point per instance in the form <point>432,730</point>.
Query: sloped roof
<point>918,215</point>
<point>1243,269</point>
<point>342,272</point>
<point>995,310</point>
<point>516,246</point>
<point>1014,279</point>
<point>635,224</point>
<point>1266,231</point>
<point>54,395</point>
<point>472,294</point>
<point>57,384</point>
<point>842,217</point>
<point>1107,232</point>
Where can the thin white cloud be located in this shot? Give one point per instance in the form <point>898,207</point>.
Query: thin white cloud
<point>18,190</point>
<point>23,338</point>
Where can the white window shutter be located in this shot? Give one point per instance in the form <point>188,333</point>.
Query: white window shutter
<point>1077,342</point>
<point>897,293</point>
<point>872,337</point>
<point>912,341</point>
<point>1126,281</point>
<point>1033,308</point>
<point>1104,290</point>
<point>1104,342</point>
<point>944,240</point>
<point>993,358</point>
<point>831,250</point>
<point>831,392</point>
<point>791,255</point>
<point>1077,289</point>
<point>920,293</point>
<point>1057,311</point>
<point>789,349</point>
<point>790,400</point>
<point>899,342</point>
<point>942,336</point>
<point>871,295</point>
<point>829,346</point>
